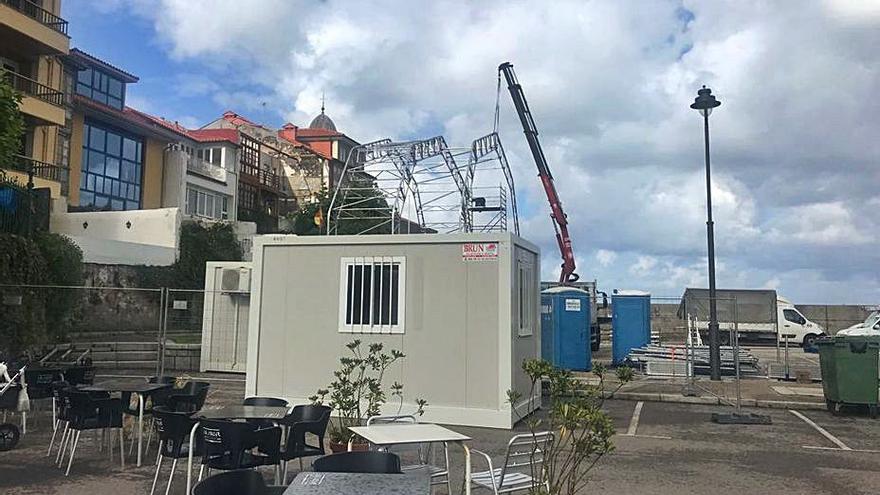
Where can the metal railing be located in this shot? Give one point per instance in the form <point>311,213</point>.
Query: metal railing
<point>38,13</point>
<point>266,178</point>
<point>30,87</point>
<point>209,170</point>
<point>40,169</point>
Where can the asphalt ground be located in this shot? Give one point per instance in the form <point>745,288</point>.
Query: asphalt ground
<point>670,449</point>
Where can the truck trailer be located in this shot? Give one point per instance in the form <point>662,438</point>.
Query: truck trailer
<point>755,314</point>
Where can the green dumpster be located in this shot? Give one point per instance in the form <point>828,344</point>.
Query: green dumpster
<point>850,371</point>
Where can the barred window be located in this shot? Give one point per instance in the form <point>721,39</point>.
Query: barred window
<point>372,294</point>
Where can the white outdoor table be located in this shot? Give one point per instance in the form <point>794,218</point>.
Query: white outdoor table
<point>385,435</point>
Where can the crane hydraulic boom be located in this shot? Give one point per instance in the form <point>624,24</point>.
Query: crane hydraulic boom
<point>560,219</point>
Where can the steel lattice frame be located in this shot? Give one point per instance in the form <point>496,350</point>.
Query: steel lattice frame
<point>419,186</point>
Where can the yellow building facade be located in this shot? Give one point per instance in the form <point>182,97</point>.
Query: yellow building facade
<point>33,47</point>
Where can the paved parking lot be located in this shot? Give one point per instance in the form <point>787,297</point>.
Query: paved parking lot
<point>668,449</point>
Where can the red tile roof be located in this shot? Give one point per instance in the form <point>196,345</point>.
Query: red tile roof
<point>306,132</point>
<point>199,135</point>
<point>236,119</point>
<point>215,135</point>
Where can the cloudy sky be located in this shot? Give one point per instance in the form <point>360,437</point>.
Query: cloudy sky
<point>796,153</point>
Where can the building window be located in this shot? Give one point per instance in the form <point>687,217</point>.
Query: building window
<point>211,155</point>
<point>250,156</point>
<point>101,87</point>
<point>205,204</point>
<point>112,169</point>
<point>526,298</point>
<point>372,293</point>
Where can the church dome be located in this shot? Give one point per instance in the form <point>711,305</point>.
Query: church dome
<point>322,121</point>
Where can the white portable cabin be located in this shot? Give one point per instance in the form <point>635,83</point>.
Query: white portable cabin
<point>462,307</point>
<point>225,316</point>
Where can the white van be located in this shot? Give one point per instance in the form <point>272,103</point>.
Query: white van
<point>792,322</point>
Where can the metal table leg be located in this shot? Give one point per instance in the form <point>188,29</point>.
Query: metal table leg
<point>140,428</point>
<point>189,460</point>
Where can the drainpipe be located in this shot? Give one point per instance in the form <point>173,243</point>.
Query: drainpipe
<point>164,166</point>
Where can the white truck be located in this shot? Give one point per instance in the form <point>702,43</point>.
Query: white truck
<point>755,314</point>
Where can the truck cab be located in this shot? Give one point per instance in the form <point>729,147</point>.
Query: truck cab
<point>793,322</point>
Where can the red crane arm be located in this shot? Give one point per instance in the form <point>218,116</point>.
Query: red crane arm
<point>560,220</point>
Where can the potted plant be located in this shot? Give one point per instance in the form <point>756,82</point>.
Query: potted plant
<point>356,393</point>
<point>574,414</point>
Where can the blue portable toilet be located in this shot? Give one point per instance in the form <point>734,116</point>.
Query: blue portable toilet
<point>630,322</point>
<point>565,328</point>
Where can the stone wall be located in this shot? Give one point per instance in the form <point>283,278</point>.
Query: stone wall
<point>113,303</point>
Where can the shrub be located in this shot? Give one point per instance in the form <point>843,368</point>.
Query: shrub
<point>64,266</point>
<point>24,317</point>
<point>582,429</point>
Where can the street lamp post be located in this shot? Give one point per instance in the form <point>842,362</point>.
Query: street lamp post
<point>704,103</point>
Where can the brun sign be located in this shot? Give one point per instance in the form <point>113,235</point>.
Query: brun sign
<point>478,251</point>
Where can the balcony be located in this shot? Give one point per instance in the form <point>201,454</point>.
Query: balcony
<point>266,178</point>
<point>41,170</point>
<point>39,101</point>
<point>36,24</point>
<point>46,175</point>
<point>201,167</point>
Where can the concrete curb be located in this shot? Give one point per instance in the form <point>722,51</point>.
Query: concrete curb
<point>714,401</point>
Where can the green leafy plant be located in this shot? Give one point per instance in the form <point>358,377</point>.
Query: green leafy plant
<point>11,121</point>
<point>199,243</point>
<point>23,324</point>
<point>356,393</point>
<point>312,217</point>
<point>574,415</point>
<point>64,265</point>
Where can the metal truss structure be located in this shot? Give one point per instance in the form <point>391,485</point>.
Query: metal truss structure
<point>424,186</point>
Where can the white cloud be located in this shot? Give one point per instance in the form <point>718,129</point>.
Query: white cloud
<point>794,143</point>
<point>605,257</point>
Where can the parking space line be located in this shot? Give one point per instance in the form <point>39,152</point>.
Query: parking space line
<point>634,425</point>
<point>634,422</point>
<point>821,430</point>
<point>813,447</point>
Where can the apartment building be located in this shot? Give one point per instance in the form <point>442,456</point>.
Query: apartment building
<point>33,46</point>
<point>200,174</point>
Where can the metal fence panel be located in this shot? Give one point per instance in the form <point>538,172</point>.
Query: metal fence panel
<point>112,327</point>
<point>206,330</point>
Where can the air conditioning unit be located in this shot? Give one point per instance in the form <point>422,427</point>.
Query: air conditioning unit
<point>235,280</point>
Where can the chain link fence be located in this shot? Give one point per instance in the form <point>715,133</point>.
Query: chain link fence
<point>206,330</point>
<point>111,327</point>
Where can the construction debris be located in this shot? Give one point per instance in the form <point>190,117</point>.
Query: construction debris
<point>666,360</point>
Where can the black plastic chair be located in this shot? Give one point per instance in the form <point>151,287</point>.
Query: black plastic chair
<point>39,381</point>
<point>359,462</point>
<point>190,398</point>
<point>60,411</point>
<point>245,482</point>
<point>92,412</point>
<point>83,374</point>
<point>231,445</point>
<point>304,419</point>
<point>170,380</point>
<point>173,429</point>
